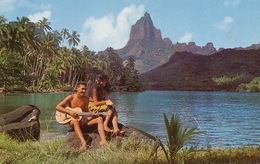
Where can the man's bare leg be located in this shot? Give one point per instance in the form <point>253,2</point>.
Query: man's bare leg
<point>75,124</point>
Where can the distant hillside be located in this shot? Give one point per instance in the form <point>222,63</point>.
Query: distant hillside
<point>224,70</point>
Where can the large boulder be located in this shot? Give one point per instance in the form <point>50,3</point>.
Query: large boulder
<point>22,123</point>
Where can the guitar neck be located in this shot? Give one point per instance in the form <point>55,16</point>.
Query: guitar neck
<point>91,113</point>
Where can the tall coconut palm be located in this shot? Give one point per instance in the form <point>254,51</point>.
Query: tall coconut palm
<point>57,37</point>
<point>87,57</point>
<point>64,34</point>
<point>76,66</point>
<point>49,49</point>
<point>44,25</point>
<point>73,39</point>
<point>115,64</point>
<point>19,35</point>
<point>3,33</point>
<point>90,65</point>
<point>64,64</point>
<point>3,20</point>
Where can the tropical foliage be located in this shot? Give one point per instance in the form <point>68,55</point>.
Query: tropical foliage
<point>225,79</point>
<point>177,138</point>
<point>33,59</point>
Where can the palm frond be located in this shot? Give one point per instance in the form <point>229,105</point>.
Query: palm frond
<point>145,133</point>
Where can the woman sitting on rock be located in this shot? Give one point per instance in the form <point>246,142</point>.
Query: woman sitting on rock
<point>99,102</point>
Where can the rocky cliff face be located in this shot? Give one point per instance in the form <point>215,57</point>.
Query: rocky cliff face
<point>192,47</point>
<point>147,47</point>
<point>144,30</point>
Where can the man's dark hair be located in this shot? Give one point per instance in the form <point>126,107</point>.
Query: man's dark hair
<point>81,83</point>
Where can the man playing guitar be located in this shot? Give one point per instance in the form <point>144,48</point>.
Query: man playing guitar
<point>79,100</point>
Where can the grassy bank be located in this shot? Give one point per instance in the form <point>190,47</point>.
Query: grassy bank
<point>129,151</point>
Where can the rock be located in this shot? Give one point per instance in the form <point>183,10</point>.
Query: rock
<point>22,123</point>
<point>92,137</point>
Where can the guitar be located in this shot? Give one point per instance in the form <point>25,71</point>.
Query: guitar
<point>65,118</point>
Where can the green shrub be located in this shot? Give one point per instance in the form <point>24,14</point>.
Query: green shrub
<point>177,138</point>
<point>253,86</point>
<point>225,79</point>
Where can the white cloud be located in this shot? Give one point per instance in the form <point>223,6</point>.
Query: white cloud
<point>187,37</point>
<point>35,6</point>
<point>231,3</point>
<point>6,5</point>
<point>100,33</point>
<point>10,5</point>
<point>225,24</point>
<point>39,16</point>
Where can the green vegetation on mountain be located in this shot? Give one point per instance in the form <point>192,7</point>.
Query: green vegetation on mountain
<point>32,59</point>
<point>253,86</point>
<point>222,71</point>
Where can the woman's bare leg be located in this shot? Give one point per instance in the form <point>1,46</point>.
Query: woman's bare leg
<point>101,131</point>
<point>115,123</point>
<point>108,117</point>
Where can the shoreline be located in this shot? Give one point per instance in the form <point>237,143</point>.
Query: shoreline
<point>24,92</point>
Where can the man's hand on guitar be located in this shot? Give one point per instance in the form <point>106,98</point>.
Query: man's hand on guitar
<point>73,114</point>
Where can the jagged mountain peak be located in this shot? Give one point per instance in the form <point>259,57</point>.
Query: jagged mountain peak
<point>144,30</point>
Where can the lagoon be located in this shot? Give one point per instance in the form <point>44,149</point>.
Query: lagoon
<point>228,119</point>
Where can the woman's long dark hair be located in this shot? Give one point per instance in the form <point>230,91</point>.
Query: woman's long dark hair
<point>100,95</point>
<point>102,77</point>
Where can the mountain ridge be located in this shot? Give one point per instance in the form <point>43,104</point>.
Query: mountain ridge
<point>149,50</point>
<point>194,72</point>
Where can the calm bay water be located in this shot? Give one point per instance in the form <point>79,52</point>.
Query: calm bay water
<point>228,119</point>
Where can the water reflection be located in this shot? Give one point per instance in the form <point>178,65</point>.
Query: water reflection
<point>228,119</point>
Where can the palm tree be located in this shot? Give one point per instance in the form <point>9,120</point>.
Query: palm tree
<point>115,64</point>
<point>44,25</point>
<point>76,68</point>
<point>18,38</point>
<point>64,34</point>
<point>73,39</point>
<point>49,50</point>
<point>3,21</point>
<point>18,35</point>
<point>63,64</point>
<point>57,37</point>
<point>90,65</point>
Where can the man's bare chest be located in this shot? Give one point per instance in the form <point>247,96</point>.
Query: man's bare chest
<point>78,103</point>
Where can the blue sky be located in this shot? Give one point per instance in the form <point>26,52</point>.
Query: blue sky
<point>107,23</point>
